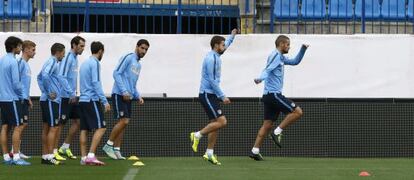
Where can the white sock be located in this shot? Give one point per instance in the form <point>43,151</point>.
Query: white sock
<point>117,148</point>
<point>210,152</point>
<point>198,135</point>
<point>91,155</point>
<point>83,158</point>
<point>255,150</point>
<point>109,142</point>
<point>278,131</point>
<point>55,151</point>
<point>50,156</point>
<point>6,157</point>
<point>44,156</point>
<point>16,156</point>
<point>65,146</point>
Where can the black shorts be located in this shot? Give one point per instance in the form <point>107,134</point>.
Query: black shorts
<point>11,113</point>
<point>122,109</point>
<point>92,116</point>
<point>25,110</point>
<point>69,111</point>
<point>50,112</point>
<point>211,105</point>
<point>274,103</point>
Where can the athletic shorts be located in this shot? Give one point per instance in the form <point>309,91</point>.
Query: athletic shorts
<point>211,105</point>
<point>274,103</point>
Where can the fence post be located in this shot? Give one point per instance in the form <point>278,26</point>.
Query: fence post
<point>86,26</point>
<point>363,17</point>
<point>272,17</point>
<point>179,18</point>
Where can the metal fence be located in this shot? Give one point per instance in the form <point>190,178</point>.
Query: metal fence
<point>209,16</point>
<point>122,16</point>
<point>329,128</point>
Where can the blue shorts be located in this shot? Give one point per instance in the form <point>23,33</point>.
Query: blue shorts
<point>274,103</point>
<point>92,116</point>
<point>68,111</point>
<point>11,113</point>
<point>25,110</point>
<point>50,112</point>
<point>211,105</point>
<point>122,109</point>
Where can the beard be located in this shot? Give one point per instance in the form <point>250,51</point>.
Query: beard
<point>221,52</point>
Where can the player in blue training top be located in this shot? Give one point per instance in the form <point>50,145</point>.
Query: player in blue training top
<point>28,52</point>
<point>11,96</point>
<point>273,100</point>
<point>91,100</point>
<point>69,108</point>
<point>49,102</point>
<point>210,95</point>
<point>126,75</point>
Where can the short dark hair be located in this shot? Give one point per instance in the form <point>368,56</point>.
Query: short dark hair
<point>143,41</point>
<point>216,40</point>
<point>281,39</point>
<point>57,47</point>
<point>28,44</point>
<point>96,46</point>
<point>12,42</point>
<point>76,40</point>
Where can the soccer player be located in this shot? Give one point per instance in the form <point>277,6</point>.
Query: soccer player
<point>91,99</point>
<point>68,78</point>
<point>28,52</point>
<point>211,95</point>
<point>49,102</point>
<point>273,100</point>
<point>126,75</point>
<point>11,94</point>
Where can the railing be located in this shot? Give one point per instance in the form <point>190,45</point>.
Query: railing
<point>126,16</point>
<point>334,16</point>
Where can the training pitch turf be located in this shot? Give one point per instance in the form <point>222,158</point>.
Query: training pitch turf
<point>238,168</point>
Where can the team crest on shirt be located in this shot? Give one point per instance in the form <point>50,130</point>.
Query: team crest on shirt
<point>104,123</point>
<point>63,117</point>
<point>219,111</point>
<point>29,73</point>
<point>135,70</point>
<point>121,113</point>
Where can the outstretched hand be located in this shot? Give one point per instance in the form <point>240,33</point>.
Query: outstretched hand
<point>257,81</point>
<point>235,31</point>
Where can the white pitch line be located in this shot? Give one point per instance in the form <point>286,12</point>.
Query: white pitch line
<point>130,175</point>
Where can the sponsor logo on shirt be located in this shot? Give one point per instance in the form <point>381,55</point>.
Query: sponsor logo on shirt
<point>135,70</point>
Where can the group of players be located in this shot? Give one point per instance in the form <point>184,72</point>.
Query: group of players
<point>58,80</point>
<point>211,95</point>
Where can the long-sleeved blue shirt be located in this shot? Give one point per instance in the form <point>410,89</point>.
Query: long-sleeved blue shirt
<point>68,75</point>
<point>48,80</point>
<point>126,75</point>
<point>25,77</point>
<point>274,71</point>
<point>11,87</point>
<point>90,82</point>
<point>211,72</point>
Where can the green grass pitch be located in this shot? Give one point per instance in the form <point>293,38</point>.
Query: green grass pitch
<point>237,168</point>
